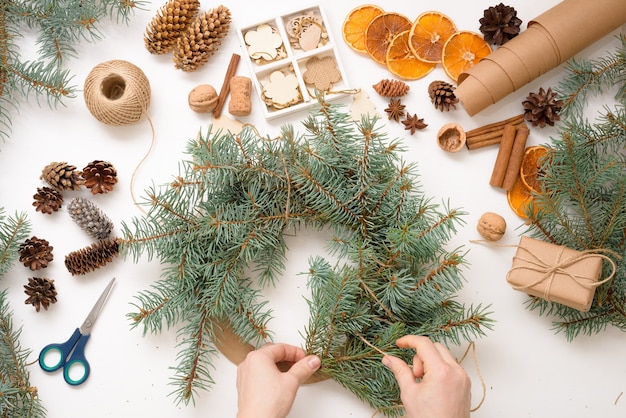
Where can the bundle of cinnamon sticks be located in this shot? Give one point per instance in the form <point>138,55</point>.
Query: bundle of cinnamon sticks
<point>510,156</point>
<point>490,134</point>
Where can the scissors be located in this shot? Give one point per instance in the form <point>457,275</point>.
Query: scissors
<point>72,352</point>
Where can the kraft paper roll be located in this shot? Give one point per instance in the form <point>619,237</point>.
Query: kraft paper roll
<point>550,39</point>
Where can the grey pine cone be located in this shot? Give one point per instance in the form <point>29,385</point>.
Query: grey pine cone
<point>90,218</point>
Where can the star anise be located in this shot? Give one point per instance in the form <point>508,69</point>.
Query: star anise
<point>500,24</point>
<point>413,123</point>
<point>395,110</point>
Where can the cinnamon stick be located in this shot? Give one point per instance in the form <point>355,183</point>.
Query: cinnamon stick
<point>504,154</point>
<point>495,126</point>
<point>517,155</point>
<point>230,72</point>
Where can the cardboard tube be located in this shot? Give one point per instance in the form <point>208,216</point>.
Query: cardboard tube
<point>550,39</point>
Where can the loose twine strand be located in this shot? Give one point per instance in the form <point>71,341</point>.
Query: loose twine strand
<point>117,93</point>
<point>471,346</point>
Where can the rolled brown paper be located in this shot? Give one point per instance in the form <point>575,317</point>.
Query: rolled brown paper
<point>550,39</point>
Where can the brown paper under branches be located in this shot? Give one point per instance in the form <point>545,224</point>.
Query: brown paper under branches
<point>550,39</point>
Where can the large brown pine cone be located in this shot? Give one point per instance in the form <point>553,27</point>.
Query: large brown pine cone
<point>62,176</point>
<point>47,200</point>
<point>542,108</point>
<point>499,24</point>
<point>202,39</point>
<point>172,19</point>
<point>100,176</point>
<point>35,253</point>
<point>93,257</point>
<point>41,292</point>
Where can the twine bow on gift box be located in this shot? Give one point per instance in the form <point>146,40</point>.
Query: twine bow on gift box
<point>549,271</point>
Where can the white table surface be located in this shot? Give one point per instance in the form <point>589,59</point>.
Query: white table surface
<point>528,370</point>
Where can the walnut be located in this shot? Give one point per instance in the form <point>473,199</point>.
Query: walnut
<point>491,226</point>
<point>203,98</point>
<point>451,137</point>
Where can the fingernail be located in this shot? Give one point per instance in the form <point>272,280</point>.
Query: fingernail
<point>314,362</point>
<point>386,361</point>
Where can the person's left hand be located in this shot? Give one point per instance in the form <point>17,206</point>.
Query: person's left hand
<point>263,390</point>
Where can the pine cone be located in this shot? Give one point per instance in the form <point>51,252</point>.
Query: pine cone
<point>62,176</point>
<point>35,253</point>
<point>442,95</point>
<point>391,88</point>
<point>202,39</point>
<point>90,218</point>
<point>47,200</point>
<point>167,26</point>
<point>542,108</point>
<point>93,257</point>
<point>41,292</point>
<point>99,176</point>
<point>499,24</point>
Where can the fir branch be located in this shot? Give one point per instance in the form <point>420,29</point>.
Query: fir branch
<point>13,230</point>
<point>582,203</point>
<point>60,25</point>
<point>228,210</point>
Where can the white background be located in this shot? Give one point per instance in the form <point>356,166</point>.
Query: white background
<point>527,369</point>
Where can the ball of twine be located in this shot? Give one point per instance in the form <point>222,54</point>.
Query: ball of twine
<point>117,93</point>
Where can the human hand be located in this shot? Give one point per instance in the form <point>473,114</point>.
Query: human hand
<point>263,390</point>
<point>444,389</point>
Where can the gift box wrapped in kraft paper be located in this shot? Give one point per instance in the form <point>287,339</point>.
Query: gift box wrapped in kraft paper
<point>549,40</point>
<point>557,273</point>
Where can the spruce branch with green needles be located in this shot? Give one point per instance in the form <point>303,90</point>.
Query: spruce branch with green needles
<point>582,202</point>
<point>17,397</point>
<point>60,25</point>
<point>218,231</point>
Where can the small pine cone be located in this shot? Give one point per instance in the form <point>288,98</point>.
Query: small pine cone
<point>93,257</point>
<point>442,95</point>
<point>100,176</point>
<point>172,19</point>
<point>542,108</point>
<point>47,200</point>
<point>391,88</point>
<point>41,292</point>
<point>499,24</point>
<point>90,218</point>
<point>202,39</point>
<point>35,253</point>
<point>62,176</point>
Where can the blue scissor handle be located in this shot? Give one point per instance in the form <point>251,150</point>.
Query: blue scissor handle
<point>71,352</point>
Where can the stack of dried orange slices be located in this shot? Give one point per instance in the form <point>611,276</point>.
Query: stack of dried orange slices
<point>522,194</point>
<point>411,50</point>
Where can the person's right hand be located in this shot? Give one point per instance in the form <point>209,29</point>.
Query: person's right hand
<point>444,388</point>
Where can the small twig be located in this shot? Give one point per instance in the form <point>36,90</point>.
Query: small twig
<point>225,90</point>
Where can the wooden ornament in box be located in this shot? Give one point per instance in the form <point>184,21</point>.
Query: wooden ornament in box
<point>557,273</point>
<point>290,57</point>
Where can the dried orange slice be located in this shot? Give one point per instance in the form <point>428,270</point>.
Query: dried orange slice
<point>429,33</point>
<point>381,31</point>
<point>401,61</point>
<point>356,23</point>
<point>520,198</point>
<point>530,170</point>
<point>461,51</point>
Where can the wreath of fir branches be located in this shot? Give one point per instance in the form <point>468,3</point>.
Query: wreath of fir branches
<point>227,212</point>
<point>582,203</point>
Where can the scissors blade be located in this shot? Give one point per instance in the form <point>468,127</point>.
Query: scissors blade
<point>85,328</point>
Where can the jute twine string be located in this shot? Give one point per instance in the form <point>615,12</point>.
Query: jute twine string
<point>117,93</point>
